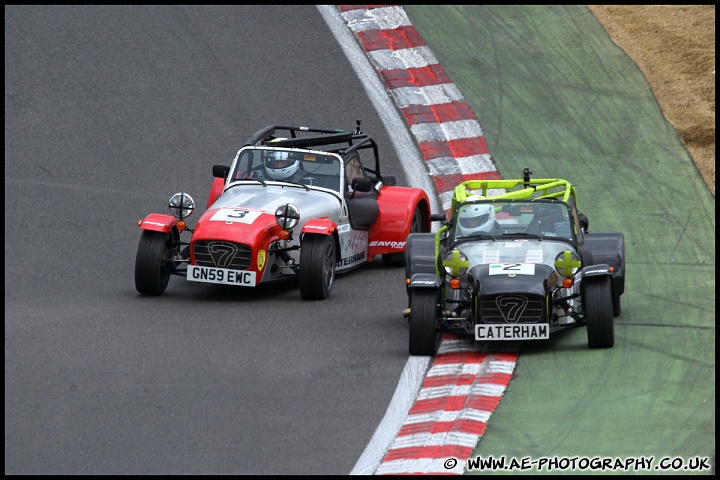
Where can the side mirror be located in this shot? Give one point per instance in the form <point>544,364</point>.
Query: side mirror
<point>584,222</point>
<point>360,184</point>
<point>221,171</point>
<point>389,180</point>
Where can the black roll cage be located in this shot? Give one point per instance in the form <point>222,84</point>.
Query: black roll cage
<point>287,136</point>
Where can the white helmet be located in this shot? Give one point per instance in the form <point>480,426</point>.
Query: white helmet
<point>476,218</point>
<point>279,165</point>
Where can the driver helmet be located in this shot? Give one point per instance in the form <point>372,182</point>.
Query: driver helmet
<point>280,166</point>
<point>477,218</point>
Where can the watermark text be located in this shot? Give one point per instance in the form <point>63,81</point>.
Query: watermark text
<point>594,464</point>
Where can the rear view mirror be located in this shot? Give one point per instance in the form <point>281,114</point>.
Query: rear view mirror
<point>584,222</point>
<point>220,171</point>
<point>360,184</point>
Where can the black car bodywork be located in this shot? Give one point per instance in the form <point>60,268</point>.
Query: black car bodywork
<point>535,271</point>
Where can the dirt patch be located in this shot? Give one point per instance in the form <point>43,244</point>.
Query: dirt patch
<point>674,46</point>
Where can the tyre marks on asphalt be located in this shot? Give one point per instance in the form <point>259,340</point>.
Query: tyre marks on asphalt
<point>464,385</point>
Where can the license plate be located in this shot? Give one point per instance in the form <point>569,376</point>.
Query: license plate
<point>535,331</point>
<point>220,275</point>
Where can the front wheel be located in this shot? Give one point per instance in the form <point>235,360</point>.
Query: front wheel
<point>153,262</point>
<point>398,259</point>
<point>424,339</point>
<point>317,266</point>
<point>617,307</point>
<point>598,304</point>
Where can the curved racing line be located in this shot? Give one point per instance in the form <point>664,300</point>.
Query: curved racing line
<point>463,386</point>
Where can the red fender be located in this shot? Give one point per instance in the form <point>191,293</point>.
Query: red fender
<point>397,205</point>
<point>215,191</point>
<point>158,222</point>
<point>322,226</point>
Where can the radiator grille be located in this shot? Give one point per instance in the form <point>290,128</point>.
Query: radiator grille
<point>511,308</point>
<point>214,253</point>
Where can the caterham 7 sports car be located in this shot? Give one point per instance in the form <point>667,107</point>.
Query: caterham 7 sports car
<point>296,203</point>
<point>514,262</point>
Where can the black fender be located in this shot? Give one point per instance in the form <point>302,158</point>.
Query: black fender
<point>420,262</point>
<point>599,270</point>
<point>608,248</point>
<point>420,254</point>
<point>423,280</point>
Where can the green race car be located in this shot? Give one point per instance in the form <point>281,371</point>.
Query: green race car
<point>514,262</point>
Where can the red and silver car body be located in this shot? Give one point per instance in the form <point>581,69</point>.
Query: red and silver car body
<point>255,226</point>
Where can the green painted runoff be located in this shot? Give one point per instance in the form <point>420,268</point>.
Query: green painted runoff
<point>552,92</point>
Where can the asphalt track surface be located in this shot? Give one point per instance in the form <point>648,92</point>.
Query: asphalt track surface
<point>110,110</point>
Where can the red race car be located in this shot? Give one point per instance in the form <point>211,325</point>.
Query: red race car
<point>296,203</point>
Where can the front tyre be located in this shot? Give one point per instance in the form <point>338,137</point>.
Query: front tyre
<point>317,266</point>
<point>153,262</point>
<point>617,307</point>
<point>398,259</point>
<point>424,339</point>
<point>598,304</point>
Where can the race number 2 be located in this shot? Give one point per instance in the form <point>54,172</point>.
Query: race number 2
<point>511,269</point>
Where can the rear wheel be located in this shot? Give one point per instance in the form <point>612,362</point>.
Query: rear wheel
<point>153,262</point>
<point>598,304</point>
<point>398,259</point>
<point>424,339</point>
<point>317,266</point>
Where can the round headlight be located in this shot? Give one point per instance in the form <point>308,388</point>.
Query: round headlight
<point>287,216</point>
<point>181,205</point>
<point>455,263</point>
<point>567,263</point>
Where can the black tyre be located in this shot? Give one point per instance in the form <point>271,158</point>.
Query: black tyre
<point>617,309</point>
<point>424,339</point>
<point>598,304</point>
<point>398,259</point>
<point>317,266</point>
<point>153,262</point>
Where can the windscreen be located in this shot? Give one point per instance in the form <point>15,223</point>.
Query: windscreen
<point>550,219</point>
<point>306,167</point>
